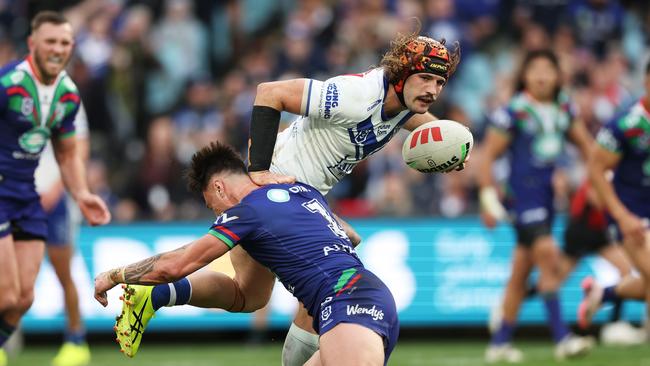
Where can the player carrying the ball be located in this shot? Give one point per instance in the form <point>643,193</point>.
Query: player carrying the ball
<point>343,120</point>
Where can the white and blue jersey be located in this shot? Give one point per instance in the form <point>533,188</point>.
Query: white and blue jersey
<point>290,229</point>
<point>342,123</point>
<point>629,136</point>
<point>537,134</point>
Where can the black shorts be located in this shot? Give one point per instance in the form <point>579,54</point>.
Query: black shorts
<point>582,238</point>
<point>528,234</point>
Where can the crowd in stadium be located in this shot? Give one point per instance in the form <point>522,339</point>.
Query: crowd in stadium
<point>159,79</point>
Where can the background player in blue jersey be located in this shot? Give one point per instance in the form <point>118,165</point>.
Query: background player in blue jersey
<point>289,229</point>
<point>533,130</point>
<point>623,145</point>
<point>38,102</point>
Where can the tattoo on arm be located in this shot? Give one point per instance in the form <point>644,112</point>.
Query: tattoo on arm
<point>134,273</point>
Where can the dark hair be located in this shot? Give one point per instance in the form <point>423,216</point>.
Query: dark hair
<point>212,159</point>
<point>647,68</point>
<point>47,16</point>
<point>532,56</point>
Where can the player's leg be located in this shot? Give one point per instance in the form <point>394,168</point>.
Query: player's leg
<point>29,254</point>
<point>351,344</point>
<point>250,290</point>
<point>639,253</point>
<point>545,256</point>
<point>9,286</point>
<point>500,349</point>
<point>301,341</point>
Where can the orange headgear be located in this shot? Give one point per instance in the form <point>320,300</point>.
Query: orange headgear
<point>423,54</point>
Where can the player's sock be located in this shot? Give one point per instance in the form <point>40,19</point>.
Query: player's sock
<point>609,294</point>
<point>299,346</point>
<point>77,337</point>
<point>554,315</point>
<point>531,290</point>
<point>170,294</point>
<point>5,331</point>
<point>617,310</point>
<point>504,334</point>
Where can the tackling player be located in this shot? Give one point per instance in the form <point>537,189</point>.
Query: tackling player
<point>344,120</point>
<point>533,129</point>
<point>38,102</point>
<point>623,145</point>
<point>290,229</point>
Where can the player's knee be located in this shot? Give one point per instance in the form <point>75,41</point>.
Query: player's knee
<point>25,301</point>
<point>9,300</point>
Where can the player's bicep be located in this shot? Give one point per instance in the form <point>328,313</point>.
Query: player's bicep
<point>64,148</point>
<point>284,95</point>
<point>495,143</point>
<point>418,120</point>
<point>200,253</point>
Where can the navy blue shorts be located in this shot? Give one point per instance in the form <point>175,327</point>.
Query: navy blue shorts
<point>59,225</point>
<point>365,301</point>
<point>24,219</point>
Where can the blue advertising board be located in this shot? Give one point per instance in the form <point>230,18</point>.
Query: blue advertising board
<point>442,272</point>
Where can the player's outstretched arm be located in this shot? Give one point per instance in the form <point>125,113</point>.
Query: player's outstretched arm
<point>162,268</point>
<point>494,144</point>
<point>600,161</point>
<point>272,98</point>
<point>73,175</point>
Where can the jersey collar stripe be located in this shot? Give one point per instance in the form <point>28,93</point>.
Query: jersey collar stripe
<point>226,240</point>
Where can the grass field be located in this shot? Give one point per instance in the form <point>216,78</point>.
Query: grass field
<point>406,354</point>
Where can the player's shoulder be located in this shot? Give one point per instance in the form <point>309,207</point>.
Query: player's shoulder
<point>10,74</point>
<point>628,118</point>
<point>357,94</point>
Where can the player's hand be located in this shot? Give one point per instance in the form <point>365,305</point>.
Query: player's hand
<point>632,228</point>
<point>103,283</point>
<point>264,177</point>
<point>94,209</point>
<point>491,208</point>
<point>459,167</point>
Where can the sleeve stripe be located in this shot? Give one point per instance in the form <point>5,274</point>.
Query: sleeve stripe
<point>306,98</point>
<point>222,237</point>
<point>65,135</point>
<point>228,232</point>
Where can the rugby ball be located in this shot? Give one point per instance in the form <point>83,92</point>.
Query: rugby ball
<point>437,146</point>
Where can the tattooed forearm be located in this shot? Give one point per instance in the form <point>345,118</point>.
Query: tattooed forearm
<point>145,273</point>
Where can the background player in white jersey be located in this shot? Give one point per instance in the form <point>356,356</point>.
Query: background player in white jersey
<point>38,103</point>
<point>344,120</point>
<point>63,222</point>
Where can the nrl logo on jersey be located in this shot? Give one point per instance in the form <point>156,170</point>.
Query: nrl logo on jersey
<point>224,219</point>
<point>27,106</point>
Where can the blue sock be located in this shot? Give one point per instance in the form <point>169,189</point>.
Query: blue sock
<point>609,294</point>
<point>170,294</point>
<point>5,331</point>
<point>554,316</point>
<point>504,334</point>
<point>77,337</point>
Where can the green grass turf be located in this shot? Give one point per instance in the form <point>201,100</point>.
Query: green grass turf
<point>406,354</point>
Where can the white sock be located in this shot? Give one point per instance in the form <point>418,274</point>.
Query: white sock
<point>299,346</point>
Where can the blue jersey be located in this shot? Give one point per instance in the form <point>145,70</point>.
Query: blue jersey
<point>27,122</point>
<point>537,136</point>
<point>290,229</point>
<point>629,136</point>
